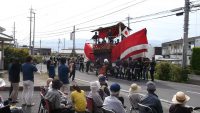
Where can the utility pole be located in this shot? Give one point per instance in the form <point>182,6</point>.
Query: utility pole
<point>58,44</point>
<point>40,43</point>
<point>185,34</point>
<point>31,11</point>
<point>14,34</point>
<point>128,18</point>
<point>33,32</point>
<point>73,50</point>
<point>64,43</point>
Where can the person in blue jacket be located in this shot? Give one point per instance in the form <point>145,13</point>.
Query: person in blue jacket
<point>63,76</point>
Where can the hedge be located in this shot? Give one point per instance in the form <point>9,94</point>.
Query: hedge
<point>195,60</point>
<point>171,72</point>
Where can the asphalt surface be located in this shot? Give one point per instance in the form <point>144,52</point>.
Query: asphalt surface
<point>165,90</point>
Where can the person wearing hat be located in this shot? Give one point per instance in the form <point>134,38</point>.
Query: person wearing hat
<point>103,90</point>
<point>112,102</point>
<point>2,84</point>
<point>134,95</point>
<point>98,102</point>
<point>151,99</point>
<point>179,100</point>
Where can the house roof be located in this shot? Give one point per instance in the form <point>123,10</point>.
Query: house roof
<point>180,41</point>
<point>67,51</point>
<point>4,37</point>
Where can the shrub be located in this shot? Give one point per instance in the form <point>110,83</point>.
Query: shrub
<point>163,71</point>
<point>171,72</point>
<point>195,60</point>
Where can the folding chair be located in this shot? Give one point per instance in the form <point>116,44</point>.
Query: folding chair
<point>90,105</point>
<point>105,110</point>
<point>132,108</point>
<point>48,106</point>
<point>144,109</point>
<point>42,104</point>
<point>5,109</point>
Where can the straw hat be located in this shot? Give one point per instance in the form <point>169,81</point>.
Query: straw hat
<point>2,82</point>
<point>134,88</point>
<point>180,98</point>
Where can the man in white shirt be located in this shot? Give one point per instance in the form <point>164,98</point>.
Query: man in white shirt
<point>112,102</point>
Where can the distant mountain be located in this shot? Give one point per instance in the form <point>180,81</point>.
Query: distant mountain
<point>155,43</point>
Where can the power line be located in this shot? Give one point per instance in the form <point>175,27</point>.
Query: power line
<point>145,16</point>
<point>103,15</point>
<point>111,12</point>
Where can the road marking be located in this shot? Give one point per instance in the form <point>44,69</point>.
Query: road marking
<point>193,92</point>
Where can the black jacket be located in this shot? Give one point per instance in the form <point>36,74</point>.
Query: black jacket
<point>177,108</point>
<point>15,73</point>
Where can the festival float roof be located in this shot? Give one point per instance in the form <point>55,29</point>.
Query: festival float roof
<point>114,29</point>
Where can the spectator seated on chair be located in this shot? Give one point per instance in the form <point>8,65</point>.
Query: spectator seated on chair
<point>151,99</point>
<point>54,97</point>
<point>97,100</point>
<point>179,100</point>
<point>103,90</point>
<point>112,102</point>
<point>134,95</point>
<point>78,98</point>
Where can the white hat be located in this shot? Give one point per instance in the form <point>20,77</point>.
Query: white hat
<point>2,82</point>
<point>134,88</point>
<point>105,60</point>
<point>180,98</point>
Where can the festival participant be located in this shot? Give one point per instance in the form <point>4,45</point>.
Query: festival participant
<point>152,69</point>
<point>112,102</point>
<point>134,95</point>
<point>28,70</point>
<point>179,100</point>
<point>151,99</point>
<point>54,97</point>
<point>81,62</point>
<point>78,98</point>
<point>72,69</point>
<point>51,70</point>
<point>98,102</point>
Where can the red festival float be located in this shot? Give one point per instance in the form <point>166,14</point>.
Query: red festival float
<point>114,43</point>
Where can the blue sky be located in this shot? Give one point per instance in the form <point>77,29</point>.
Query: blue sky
<point>55,19</point>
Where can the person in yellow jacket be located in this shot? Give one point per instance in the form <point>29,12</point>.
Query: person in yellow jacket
<point>78,98</point>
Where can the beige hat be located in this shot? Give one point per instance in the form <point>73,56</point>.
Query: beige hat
<point>2,82</point>
<point>180,98</point>
<point>134,88</point>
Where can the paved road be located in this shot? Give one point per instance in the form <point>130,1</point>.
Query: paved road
<point>165,90</point>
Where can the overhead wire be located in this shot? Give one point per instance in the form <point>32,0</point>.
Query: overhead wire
<point>95,18</point>
<point>139,17</point>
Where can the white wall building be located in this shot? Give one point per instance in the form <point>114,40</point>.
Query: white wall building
<point>174,49</point>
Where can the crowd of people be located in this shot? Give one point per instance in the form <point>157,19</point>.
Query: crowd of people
<point>63,100</point>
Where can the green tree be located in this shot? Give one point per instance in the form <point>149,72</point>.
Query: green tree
<point>11,53</point>
<point>195,60</point>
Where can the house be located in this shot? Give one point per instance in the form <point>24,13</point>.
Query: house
<point>174,49</point>
<point>4,38</point>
